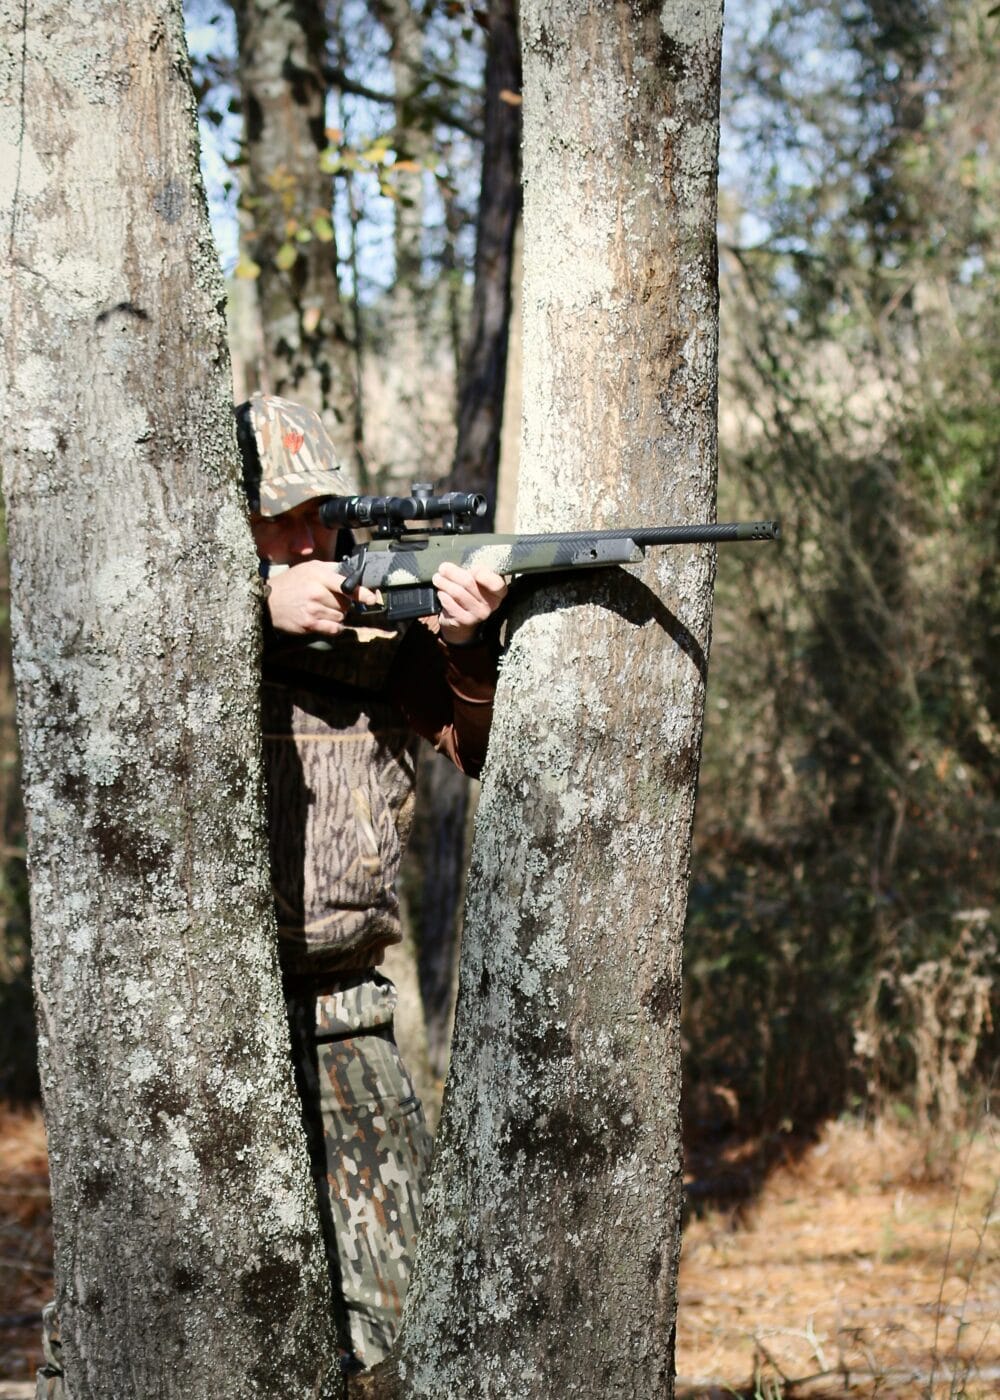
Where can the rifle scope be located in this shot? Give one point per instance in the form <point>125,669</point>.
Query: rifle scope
<point>455,509</point>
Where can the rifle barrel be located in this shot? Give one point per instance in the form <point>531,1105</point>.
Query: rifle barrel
<point>674,534</point>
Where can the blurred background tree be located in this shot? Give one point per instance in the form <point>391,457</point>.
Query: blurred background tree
<point>843,930</point>
<point>848,813</point>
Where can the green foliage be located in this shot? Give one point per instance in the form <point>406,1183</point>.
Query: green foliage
<point>848,820</point>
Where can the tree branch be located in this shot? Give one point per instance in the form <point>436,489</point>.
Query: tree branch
<point>338,77</point>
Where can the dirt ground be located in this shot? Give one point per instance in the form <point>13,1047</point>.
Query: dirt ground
<point>850,1275</point>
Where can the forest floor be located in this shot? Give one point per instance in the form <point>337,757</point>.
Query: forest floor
<point>854,1273</point>
<point>849,1274</point>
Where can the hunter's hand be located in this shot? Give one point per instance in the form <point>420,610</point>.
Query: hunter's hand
<point>468,598</point>
<point>307,598</point>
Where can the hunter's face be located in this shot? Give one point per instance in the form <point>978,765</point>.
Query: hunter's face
<point>294,536</point>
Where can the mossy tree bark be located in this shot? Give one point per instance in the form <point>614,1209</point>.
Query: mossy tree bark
<point>188,1253</point>
<point>548,1261</point>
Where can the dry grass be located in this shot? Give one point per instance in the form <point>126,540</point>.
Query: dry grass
<point>25,1240</point>
<point>852,1275</point>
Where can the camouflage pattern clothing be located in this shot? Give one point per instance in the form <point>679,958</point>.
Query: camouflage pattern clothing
<point>340,763</point>
<point>49,1381</point>
<point>340,721</point>
<point>288,456</point>
<point>370,1149</point>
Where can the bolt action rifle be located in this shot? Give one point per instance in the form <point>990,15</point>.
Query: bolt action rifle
<point>401,562</point>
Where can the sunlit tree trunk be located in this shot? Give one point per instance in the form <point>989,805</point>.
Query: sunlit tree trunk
<point>402,23</point>
<point>548,1261</point>
<point>189,1259</point>
<point>409,343</point>
<point>287,199</point>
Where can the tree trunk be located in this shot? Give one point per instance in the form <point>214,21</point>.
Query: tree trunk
<point>412,140</point>
<point>548,1261</point>
<point>189,1259</point>
<point>408,458</point>
<point>437,859</point>
<point>434,872</point>
<point>484,367</point>
<point>306,352</point>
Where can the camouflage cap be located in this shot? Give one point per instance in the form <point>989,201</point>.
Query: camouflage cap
<point>288,456</point>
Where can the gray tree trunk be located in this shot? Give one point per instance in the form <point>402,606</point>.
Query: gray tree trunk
<point>189,1259</point>
<point>410,340</point>
<point>403,24</point>
<point>548,1261</point>
<point>306,353</point>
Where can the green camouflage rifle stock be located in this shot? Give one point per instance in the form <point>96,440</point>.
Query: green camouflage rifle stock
<point>401,562</point>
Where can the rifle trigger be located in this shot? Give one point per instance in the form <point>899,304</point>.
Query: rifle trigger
<point>352,580</point>
<point>354,568</point>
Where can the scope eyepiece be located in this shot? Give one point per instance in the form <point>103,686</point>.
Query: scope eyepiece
<point>472,503</point>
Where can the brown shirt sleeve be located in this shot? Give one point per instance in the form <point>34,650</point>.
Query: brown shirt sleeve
<point>446,694</point>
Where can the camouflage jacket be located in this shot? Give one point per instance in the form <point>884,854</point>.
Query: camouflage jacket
<point>340,730</point>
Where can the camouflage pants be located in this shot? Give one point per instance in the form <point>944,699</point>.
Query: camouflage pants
<point>49,1383</point>
<point>370,1151</point>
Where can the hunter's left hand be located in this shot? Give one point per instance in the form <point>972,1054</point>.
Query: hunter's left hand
<point>468,598</point>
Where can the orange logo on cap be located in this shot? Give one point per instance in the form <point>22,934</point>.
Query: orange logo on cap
<point>293,441</point>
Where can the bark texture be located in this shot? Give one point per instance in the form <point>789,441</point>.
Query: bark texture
<point>548,1262</point>
<point>306,354</point>
<point>188,1255</point>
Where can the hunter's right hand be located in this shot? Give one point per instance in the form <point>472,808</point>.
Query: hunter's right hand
<point>307,598</point>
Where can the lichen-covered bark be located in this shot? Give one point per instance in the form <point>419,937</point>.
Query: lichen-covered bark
<point>548,1262</point>
<point>188,1254</point>
<point>306,354</point>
